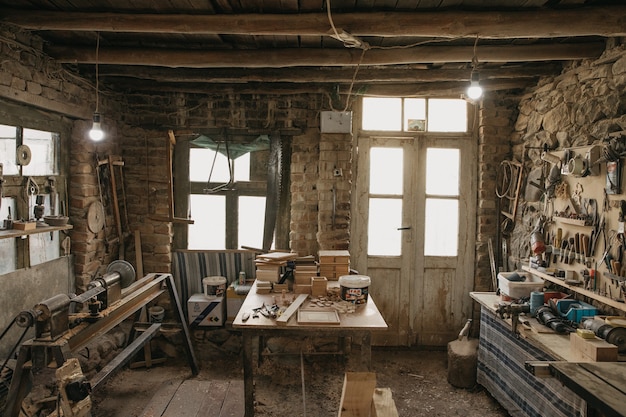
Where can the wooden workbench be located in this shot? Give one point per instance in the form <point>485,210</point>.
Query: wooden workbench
<point>577,387</point>
<point>357,325</point>
<point>601,384</point>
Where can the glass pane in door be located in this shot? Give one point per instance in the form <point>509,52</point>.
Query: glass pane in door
<point>385,217</point>
<point>386,171</point>
<point>442,171</point>
<point>442,227</point>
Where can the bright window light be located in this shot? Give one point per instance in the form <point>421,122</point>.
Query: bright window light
<point>447,115</point>
<point>209,215</point>
<point>251,221</point>
<point>382,113</point>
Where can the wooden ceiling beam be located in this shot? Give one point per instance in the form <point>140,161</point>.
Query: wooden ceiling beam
<point>608,21</point>
<point>303,57</point>
<point>316,75</point>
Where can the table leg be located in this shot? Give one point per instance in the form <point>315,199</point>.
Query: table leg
<point>248,375</point>
<point>366,351</point>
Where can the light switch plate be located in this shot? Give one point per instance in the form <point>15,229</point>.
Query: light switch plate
<point>336,122</point>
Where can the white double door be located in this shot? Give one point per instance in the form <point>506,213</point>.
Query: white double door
<point>413,233</point>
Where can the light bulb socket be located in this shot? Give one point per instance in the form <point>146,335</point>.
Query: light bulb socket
<point>96,118</point>
<point>475,77</point>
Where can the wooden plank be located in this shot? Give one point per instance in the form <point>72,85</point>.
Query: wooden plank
<point>138,254</point>
<point>383,404</point>
<point>211,403</point>
<point>161,399</point>
<point>291,310</point>
<point>188,399</point>
<point>597,350</point>
<point>233,405</point>
<point>357,394</point>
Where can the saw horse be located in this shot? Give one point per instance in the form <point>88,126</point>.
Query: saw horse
<point>47,379</point>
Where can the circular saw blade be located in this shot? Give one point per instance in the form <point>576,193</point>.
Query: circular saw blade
<point>95,217</point>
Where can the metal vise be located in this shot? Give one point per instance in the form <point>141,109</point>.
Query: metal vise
<point>513,311</point>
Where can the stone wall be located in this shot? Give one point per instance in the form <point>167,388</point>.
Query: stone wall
<point>582,106</point>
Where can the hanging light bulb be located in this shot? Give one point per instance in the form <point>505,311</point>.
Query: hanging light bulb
<point>96,133</point>
<point>474,91</point>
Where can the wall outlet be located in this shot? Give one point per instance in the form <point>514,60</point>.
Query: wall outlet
<point>337,172</point>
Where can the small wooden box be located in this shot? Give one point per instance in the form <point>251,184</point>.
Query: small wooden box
<point>24,225</point>
<point>318,286</point>
<point>334,256</point>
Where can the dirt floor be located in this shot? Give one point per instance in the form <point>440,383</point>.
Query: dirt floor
<point>417,378</point>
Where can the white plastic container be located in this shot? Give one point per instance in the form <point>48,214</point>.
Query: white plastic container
<point>214,286</point>
<point>354,288</point>
<point>519,289</point>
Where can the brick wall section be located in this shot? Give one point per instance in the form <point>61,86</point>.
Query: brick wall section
<point>334,191</point>
<point>304,194</point>
<point>496,117</point>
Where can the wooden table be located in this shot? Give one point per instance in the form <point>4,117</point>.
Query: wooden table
<point>357,325</point>
<point>601,384</point>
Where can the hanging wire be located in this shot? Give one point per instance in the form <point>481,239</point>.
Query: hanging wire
<point>97,71</point>
<point>475,55</point>
<point>351,44</point>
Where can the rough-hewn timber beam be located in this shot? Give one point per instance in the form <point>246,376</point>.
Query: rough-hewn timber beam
<point>545,23</point>
<point>316,75</point>
<point>298,57</point>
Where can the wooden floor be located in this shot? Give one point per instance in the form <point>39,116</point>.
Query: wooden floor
<point>194,398</point>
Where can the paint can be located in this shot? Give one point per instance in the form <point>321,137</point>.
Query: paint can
<point>214,286</point>
<point>354,288</point>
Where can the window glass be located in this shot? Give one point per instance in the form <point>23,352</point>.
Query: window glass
<point>251,220</point>
<point>43,151</point>
<point>382,113</point>
<point>209,214</point>
<point>442,171</point>
<point>442,227</point>
<point>204,163</point>
<point>7,246</point>
<point>385,217</point>
<point>447,115</point>
<point>8,145</point>
<point>415,114</point>
<point>386,169</point>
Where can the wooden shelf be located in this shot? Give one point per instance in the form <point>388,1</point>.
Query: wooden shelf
<point>605,300</point>
<point>11,233</point>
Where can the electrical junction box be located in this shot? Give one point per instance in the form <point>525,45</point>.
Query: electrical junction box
<point>336,122</point>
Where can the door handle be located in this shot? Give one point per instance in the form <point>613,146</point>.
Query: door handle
<point>404,228</point>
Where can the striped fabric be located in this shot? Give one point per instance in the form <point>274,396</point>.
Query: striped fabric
<point>190,266</point>
<point>501,359</point>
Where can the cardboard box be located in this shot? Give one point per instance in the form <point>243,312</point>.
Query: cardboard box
<point>203,311</point>
<point>24,225</point>
<point>233,303</point>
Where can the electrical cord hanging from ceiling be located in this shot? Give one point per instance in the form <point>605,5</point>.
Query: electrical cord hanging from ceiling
<point>348,41</point>
<point>97,72</point>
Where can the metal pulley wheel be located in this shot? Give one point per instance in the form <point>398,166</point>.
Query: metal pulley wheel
<point>95,217</point>
<point>125,269</point>
<point>23,155</point>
